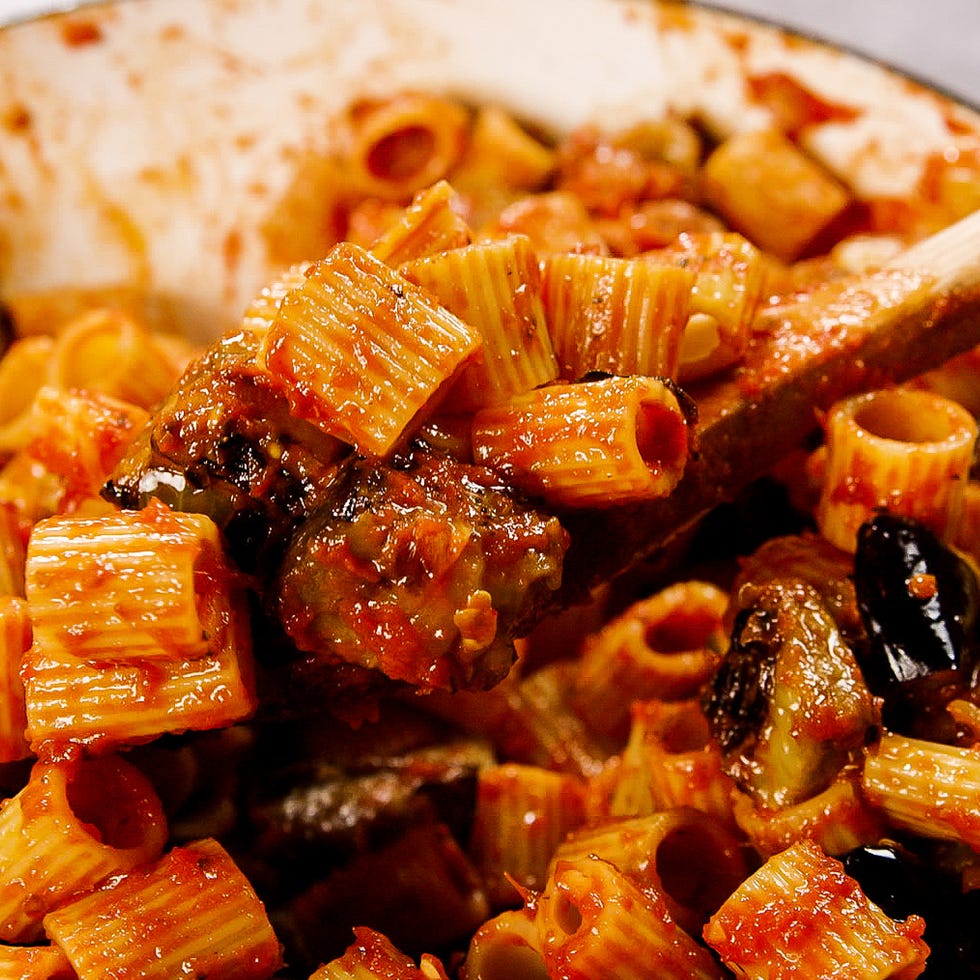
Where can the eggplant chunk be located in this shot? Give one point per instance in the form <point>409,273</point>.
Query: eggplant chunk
<point>224,443</point>
<point>919,601</point>
<point>421,891</point>
<point>811,559</point>
<point>788,705</point>
<point>320,793</point>
<point>920,604</point>
<point>338,813</point>
<point>903,883</point>
<point>426,571</point>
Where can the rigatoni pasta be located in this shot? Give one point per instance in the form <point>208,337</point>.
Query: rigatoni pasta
<point>522,814</point>
<point>905,778</point>
<point>691,860</point>
<point>670,761</point>
<point>840,819</point>
<point>15,640</point>
<point>158,588</point>
<point>502,161</point>
<point>164,644</point>
<point>800,913</point>
<point>432,223</point>
<point>367,490</point>
<point>13,550</point>
<point>772,192</point>
<point>111,353</point>
<point>192,910</point>
<point>505,947</point>
<point>621,316</point>
<point>496,287</point>
<point>74,825</point>
<point>905,450</point>
<point>22,372</point>
<point>397,146</point>
<point>34,963</point>
<point>372,956</point>
<point>104,706</point>
<point>664,646</point>
<point>79,436</point>
<point>728,287</point>
<point>362,349</point>
<point>599,443</point>
<point>591,915</point>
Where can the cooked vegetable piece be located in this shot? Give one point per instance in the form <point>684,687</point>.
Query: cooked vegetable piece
<point>919,600</point>
<point>920,604</point>
<point>903,883</point>
<point>808,558</point>
<point>420,890</point>
<point>426,571</point>
<point>320,793</point>
<point>787,704</point>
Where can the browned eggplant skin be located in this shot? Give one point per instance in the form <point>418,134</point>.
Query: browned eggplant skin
<point>788,705</point>
<point>225,443</point>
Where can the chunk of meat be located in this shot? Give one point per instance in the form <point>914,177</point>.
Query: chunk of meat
<point>425,571</point>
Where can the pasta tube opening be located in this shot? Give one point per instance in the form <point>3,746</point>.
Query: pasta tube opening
<point>900,449</point>
<point>661,435</point>
<point>401,145</point>
<point>72,826</point>
<point>664,646</point>
<point>683,855</point>
<point>113,806</point>
<point>595,917</point>
<point>613,440</point>
<point>505,947</point>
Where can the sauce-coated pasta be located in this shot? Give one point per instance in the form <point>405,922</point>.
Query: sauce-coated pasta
<point>285,623</point>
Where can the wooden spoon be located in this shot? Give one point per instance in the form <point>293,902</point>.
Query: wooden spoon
<point>847,337</point>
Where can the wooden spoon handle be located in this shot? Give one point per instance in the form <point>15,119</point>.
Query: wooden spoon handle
<point>951,257</point>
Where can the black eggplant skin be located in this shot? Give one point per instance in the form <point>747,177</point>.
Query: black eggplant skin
<point>919,603</point>
<point>904,883</point>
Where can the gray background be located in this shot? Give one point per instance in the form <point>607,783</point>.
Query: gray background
<point>936,40</point>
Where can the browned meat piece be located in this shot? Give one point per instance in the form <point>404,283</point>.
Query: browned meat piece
<point>421,891</point>
<point>426,572</point>
<point>225,443</point>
